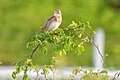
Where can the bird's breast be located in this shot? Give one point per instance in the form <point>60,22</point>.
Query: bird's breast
<point>54,25</point>
<point>58,19</point>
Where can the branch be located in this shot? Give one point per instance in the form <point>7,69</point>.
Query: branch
<point>30,57</point>
<point>33,51</point>
<point>98,50</point>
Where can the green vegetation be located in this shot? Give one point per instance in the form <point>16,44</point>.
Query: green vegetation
<point>20,19</point>
<point>71,39</point>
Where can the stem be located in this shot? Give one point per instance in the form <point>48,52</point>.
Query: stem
<point>30,57</point>
<point>25,73</point>
<point>98,50</point>
<point>33,51</point>
<point>96,46</point>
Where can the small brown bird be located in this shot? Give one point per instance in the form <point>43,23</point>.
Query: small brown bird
<point>53,22</point>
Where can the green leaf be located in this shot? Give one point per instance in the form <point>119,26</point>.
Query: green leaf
<point>20,63</point>
<point>88,24</point>
<point>76,71</point>
<point>18,69</point>
<point>36,67</point>
<point>104,72</point>
<point>28,61</point>
<point>78,51</point>
<point>82,48</point>
<point>94,32</point>
<point>83,25</point>
<point>25,77</point>
<point>28,45</point>
<point>80,35</point>
<point>14,75</point>
<point>45,70</point>
<point>73,24</point>
<point>64,51</point>
<point>44,51</point>
<point>106,55</point>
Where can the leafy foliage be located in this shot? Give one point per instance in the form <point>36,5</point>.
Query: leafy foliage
<point>99,75</point>
<point>89,74</point>
<point>63,41</point>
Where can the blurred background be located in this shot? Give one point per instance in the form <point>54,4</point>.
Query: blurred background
<point>19,19</point>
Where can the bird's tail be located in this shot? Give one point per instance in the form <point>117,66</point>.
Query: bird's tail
<point>38,31</point>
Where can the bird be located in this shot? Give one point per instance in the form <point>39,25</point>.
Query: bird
<point>53,22</point>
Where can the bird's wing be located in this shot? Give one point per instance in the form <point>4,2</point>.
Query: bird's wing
<point>48,22</point>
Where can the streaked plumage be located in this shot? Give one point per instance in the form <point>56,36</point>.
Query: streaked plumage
<point>53,22</point>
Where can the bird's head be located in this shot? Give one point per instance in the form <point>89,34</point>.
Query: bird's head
<point>57,12</point>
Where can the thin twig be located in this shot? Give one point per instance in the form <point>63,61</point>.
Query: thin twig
<point>30,57</point>
<point>91,37</point>
<point>33,51</point>
<point>117,75</point>
<point>98,50</point>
